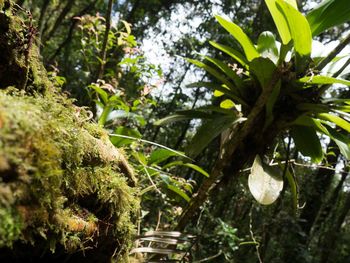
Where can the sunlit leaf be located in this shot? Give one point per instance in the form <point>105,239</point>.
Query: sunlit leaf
<point>323,80</point>
<point>265,183</point>
<point>280,21</point>
<point>247,45</point>
<point>227,104</point>
<point>327,14</point>
<point>299,28</point>
<point>336,120</point>
<point>218,93</point>
<point>179,192</point>
<point>307,142</point>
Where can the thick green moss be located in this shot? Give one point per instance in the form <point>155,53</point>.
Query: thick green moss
<point>66,193</point>
<point>61,180</point>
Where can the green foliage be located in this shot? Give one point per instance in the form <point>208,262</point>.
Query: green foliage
<point>327,14</point>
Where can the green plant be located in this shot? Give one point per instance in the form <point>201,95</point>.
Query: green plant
<point>269,89</point>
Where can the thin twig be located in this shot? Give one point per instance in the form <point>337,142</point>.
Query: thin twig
<point>103,54</point>
<point>333,54</point>
<point>149,142</point>
<point>252,235</point>
<point>209,258</point>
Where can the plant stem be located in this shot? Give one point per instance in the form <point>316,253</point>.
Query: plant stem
<point>103,54</point>
<point>333,54</point>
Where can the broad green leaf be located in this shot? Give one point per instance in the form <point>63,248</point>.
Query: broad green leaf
<point>247,45</point>
<point>227,104</point>
<point>267,46</point>
<point>179,192</point>
<point>160,155</point>
<point>312,123</point>
<point>336,120</point>
<point>327,14</point>
<point>208,131</point>
<point>299,28</point>
<point>183,115</point>
<point>342,141</point>
<point>323,80</point>
<point>265,183</point>
<point>236,55</point>
<point>280,21</point>
<point>307,142</point>
<point>262,69</point>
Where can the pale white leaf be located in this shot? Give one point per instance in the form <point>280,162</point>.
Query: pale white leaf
<point>264,183</point>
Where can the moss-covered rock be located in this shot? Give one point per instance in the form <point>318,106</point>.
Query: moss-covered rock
<point>66,193</point>
<point>61,180</point>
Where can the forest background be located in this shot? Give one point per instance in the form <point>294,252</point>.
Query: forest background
<point>130,65</point>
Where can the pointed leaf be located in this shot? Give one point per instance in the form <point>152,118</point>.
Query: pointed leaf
<point>236,55</point>
<point>227,71</point>
<point>342,141</point>
<point>307,142</point>
<point>212,72</point>
<point>208,131</point>
<point>179,192</point>
<point>247,45</point>
<point>227,104</point>
<point>160,155</point>
<point>299,28</point>
<point>280,21</point>
<point>323,80</point>
<point>336,120</point>
<point>218,93</point>
<point>327,14</point>
<point>183,115</point>
<point>224,89</point>
<point>189,165</point>
<point>265,183</point>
